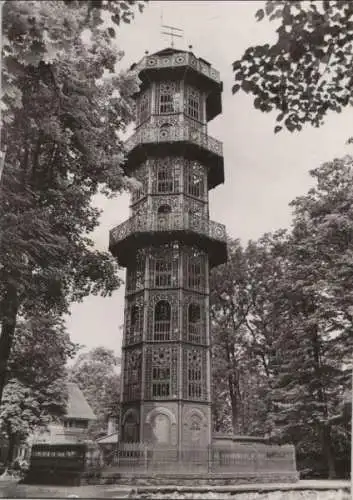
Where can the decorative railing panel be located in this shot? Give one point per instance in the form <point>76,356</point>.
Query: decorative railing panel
<point>178,133</point>
<point>177,60</point>
<point>174,222</point>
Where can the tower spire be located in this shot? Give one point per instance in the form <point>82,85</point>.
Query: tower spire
<point>171,31</point>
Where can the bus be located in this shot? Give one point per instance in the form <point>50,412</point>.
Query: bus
<point>70,464</point>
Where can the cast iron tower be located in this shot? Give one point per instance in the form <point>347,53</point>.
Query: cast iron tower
<point>168,246</point>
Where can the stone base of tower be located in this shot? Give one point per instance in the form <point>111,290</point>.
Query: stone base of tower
<point>228,460</point>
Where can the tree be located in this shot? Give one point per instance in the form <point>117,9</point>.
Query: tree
<point>62,117</point>
<point>244,319</point>
<point>293,293</point>
<point>316,366</point>
<point>96,374</point>
<point>307,72</point>
<point>36,392</point>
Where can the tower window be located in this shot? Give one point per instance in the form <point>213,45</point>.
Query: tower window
<point>166,98</point>
<point>194,375</point>
<point>193,104</point>
<point>161,374</point>
<point>162,320</point>
<point>164,179</point>
<point>194,272</point>
<point>163,275</point>
<point>195,179</point>
<point>194,322</point>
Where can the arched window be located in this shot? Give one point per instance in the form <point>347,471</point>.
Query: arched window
<point>194,322</point>
<point>162,320</point>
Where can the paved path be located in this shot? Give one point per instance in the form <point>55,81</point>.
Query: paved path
<point>120,491</point>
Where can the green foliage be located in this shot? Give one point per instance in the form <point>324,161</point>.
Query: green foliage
<point>283,307</point>
<point>307,72</point>
<point>36,392</point>
<point>96,374</point>
<point>62,116</point>
<point>243,328</point>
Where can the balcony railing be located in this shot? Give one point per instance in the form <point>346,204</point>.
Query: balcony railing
<point>180,133</point>
<point>178,60</point>
<point>177,221</point>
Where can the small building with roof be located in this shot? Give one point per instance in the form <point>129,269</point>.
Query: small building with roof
<point>73,427</point>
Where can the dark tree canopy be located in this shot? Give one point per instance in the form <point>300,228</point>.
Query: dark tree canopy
<point>62,114</point>
<point>308,71</point>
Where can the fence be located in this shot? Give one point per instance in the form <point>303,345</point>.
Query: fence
<point>248,459</point>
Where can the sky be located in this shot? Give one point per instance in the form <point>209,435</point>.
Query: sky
<point>263,171</point>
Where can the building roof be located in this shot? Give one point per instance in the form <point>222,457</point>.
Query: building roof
<point>111,439</point>
<point>77,405</point>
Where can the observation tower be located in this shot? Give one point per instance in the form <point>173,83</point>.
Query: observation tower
<point>168,247</point>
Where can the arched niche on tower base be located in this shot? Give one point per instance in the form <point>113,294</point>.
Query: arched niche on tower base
<point>160,427</point>
<point>195,428</point>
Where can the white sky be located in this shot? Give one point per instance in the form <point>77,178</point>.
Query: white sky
<point>263,171</point>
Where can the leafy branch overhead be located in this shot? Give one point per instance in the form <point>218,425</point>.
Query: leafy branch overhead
<point>308,71</point>
<point>64,110</point>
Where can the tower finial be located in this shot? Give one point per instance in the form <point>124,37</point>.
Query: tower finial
<point>172,33</point>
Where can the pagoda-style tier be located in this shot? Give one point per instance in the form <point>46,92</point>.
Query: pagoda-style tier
<point>192,143</point>
<point>186,66</point>
<point>141,231</point>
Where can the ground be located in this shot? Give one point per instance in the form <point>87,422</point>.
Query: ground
<point>303,490</point>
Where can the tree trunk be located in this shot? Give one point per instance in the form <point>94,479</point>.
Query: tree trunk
<point>326,443</point>
<point>11,450</point>
<point>9,309</point>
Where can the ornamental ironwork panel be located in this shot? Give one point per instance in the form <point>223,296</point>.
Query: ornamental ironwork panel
<point>133,324</point>
<point>135,274</point>
<point>195,315</point>
<point>166,175</point>
<point>176,221</point>
<point>193,103</point>
<point>141,176</point>
<point>151,134</point>
<point>143,106</point>
<point>195,180</point>
<point>132,374</point>
<point>164,267</point>
<point>161,376</point>
<point>177,60</point>
<point>194,373</point>
<point>195,207</point>
<point>195,269</point>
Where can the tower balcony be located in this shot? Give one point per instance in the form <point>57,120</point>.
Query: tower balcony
<point>191,142</point>
<point>141,230</point>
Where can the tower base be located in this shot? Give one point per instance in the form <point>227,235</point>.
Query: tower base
<point>228,460</point>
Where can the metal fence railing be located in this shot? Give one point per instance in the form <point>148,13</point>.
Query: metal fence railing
<point>140,457</point>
